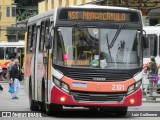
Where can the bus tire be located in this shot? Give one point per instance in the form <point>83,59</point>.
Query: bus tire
<point>53,109</point>
<point>118,111</point>
<point>33,106</point>
<point>48,109</point>
<point>93,109</point>
<point>122,111</point>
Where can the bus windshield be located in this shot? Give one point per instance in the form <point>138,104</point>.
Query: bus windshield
<point>94,48</point>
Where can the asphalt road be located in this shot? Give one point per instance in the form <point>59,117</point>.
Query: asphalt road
<point>22,107</point>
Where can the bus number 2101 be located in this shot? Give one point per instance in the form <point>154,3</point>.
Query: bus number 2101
<point>117,87</point>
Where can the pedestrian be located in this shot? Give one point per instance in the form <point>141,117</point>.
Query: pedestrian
<point>1,73</point>
<point>10,67</point>
<point>1,88</point>
<point>16,77</point>
<point>153,75</point>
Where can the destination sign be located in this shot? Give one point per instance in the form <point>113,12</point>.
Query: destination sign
<point>98,15</point>
<point>101,16</point>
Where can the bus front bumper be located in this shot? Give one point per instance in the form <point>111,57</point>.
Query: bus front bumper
<point>60,97</point>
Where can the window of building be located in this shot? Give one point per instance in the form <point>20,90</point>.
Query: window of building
<point>8,12</point>
<point>13,11</point>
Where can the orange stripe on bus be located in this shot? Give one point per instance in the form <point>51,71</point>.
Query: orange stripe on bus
<point>90,86</point>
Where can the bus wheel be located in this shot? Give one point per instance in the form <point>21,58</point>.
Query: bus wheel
<point>118,111</point>
<point>52,109</point>
<point>122,111</point>
<point>33,106</point>
<point>93,109</point>
<point>48,109</point>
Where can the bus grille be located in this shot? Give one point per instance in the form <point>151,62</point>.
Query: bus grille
<point>90,76</point>
<point>98,96</point>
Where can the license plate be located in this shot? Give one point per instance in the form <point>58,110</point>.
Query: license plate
<point>79,84</point>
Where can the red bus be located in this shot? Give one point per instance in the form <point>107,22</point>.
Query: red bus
<point>88,56</point>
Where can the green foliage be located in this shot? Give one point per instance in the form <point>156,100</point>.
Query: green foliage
<point>25,14</point>
<point>27,2</point>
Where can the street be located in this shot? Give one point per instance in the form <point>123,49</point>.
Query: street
<point>22,105</point>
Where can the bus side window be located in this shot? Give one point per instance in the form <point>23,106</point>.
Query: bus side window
<point>34,37</point>
<point>159,45</point>
<point>44,31</point>
<point>153,45</point>
<point>42,36</point>
<point>1,53</point>
<point>29,44</point>
<point>31,38</point>
<point>11,52</point>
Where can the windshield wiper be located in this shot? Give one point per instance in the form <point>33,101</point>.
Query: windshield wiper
<point>84,34</point>
<point>116,35</point>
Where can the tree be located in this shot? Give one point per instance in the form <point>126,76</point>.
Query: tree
<point>27,2</point>
<point>22,9</point>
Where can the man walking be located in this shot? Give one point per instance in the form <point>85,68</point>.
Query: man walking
<point>15,76</point>
<point>10,67</point>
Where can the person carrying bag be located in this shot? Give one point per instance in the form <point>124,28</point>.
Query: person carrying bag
<point>16,77</point>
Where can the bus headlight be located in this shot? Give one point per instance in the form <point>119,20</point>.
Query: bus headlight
<point>61,85</point>
<point>138,84</point>
<point>65,87</point>
<point>56,82</point>
<point>130,89</point>
<point>134,87</point>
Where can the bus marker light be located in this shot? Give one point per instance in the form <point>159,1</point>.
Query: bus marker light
<point>132,101</point>
<point>63,99</point>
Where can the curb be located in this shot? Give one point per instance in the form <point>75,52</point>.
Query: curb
<point>4,81</point>
<point>153,101</point>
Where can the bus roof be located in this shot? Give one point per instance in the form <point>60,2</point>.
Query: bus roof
<point>12,44</point>
<point>50,12</point>
<point>39,16</point>
<point>152,29</point>
<point>100,7</point>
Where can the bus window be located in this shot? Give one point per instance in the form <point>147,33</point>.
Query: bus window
<point>42,36</point>
<point>34,36</point>
<point>151,50</point>
<point>1,53</point>
<point>11,52</point>
<point>153,45</point>
<point>44,32</point>
<point>21,56</point>
<point>29,43</point>
<point>159,45</point>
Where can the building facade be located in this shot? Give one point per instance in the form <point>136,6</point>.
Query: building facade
<point>51,4</point>
<point>7,17</point>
